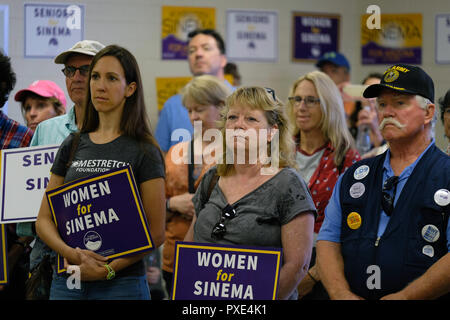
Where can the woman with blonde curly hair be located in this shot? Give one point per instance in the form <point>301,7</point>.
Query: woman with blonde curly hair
<point>254,202</point>
<point>324,145</point>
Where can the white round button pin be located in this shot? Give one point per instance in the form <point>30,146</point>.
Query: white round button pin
<point>442,197</point>
<point>430,233</point>
<point>428,251</point>
<point>357,190</point>
<point>361,172</point>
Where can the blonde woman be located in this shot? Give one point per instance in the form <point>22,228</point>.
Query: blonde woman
<point>324,145</point>
<point>204,97</point>
<point>251,206</point>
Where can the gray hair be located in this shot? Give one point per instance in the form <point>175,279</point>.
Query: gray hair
<point>423,103</point>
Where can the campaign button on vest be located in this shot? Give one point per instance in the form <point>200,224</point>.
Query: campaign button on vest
<point>428,251</point>
<point>442,197</point>
<point>430,233</point>
<point>361,172</point>
<point>354,220</point>
<point>357,190</point>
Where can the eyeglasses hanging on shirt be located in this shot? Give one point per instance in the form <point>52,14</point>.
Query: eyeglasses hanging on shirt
<point>219,229</point>
<point>387,200</point>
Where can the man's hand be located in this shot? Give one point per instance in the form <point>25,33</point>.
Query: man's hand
<point>183,204</point>
<point>153,274</point>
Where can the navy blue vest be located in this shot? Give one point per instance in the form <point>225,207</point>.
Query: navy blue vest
<point>398,252</point>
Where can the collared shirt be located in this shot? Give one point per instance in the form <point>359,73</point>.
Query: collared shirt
<point>13,134</point>
<point>175,116</point>
<point>331,227</point>
<point>55,130</point>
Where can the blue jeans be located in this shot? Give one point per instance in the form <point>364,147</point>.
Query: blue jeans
<point>123,288</point>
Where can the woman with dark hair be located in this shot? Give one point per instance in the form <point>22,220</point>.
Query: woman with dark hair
<point>115,127</point>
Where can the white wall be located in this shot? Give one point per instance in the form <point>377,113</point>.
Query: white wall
<point>136,25</point>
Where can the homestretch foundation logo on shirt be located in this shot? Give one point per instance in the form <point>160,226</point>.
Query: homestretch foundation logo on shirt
<point>97,165</point>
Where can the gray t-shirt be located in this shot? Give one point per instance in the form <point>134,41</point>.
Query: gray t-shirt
<point>259,214</point>
<point>307,165</point>
<point>90,158</point>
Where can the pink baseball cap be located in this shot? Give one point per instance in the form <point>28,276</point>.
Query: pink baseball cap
<point>43,88</point>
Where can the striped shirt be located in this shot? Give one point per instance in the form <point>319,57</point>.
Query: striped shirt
<point>13,134</point>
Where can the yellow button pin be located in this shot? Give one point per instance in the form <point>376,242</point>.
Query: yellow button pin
<point>354,220</point>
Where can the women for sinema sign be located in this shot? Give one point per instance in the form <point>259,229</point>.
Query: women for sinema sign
<point>218,272</point>
<point>313,35</point>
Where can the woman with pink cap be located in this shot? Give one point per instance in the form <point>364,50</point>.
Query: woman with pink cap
<point>42,100</point>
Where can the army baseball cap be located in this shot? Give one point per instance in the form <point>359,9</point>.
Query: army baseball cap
<point>404,78</point>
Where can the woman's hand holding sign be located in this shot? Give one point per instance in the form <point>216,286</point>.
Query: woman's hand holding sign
<point>91,265</point>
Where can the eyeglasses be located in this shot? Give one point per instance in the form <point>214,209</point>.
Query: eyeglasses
<point>387,201</point>
<point>309,101</point>
<point>69,71</point>
<point>219,229</point>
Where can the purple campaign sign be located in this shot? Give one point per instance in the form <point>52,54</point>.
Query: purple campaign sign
<point>217,272</point>
<point>313,35</point>
<point>373,53</point>
<point>102,213</point>
<point>3,256</point>
<point>174,48</point>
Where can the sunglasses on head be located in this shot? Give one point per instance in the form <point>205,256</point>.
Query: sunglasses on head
<point>271,92</point>
<point>69,71</point>
<point>219,229</point>
<point>387,201</point>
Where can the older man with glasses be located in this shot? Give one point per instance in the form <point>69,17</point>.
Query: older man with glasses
<point>386,230</point>
<point>76,62</point>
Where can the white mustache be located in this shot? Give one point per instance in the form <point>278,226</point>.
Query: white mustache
<point>390,121</point>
